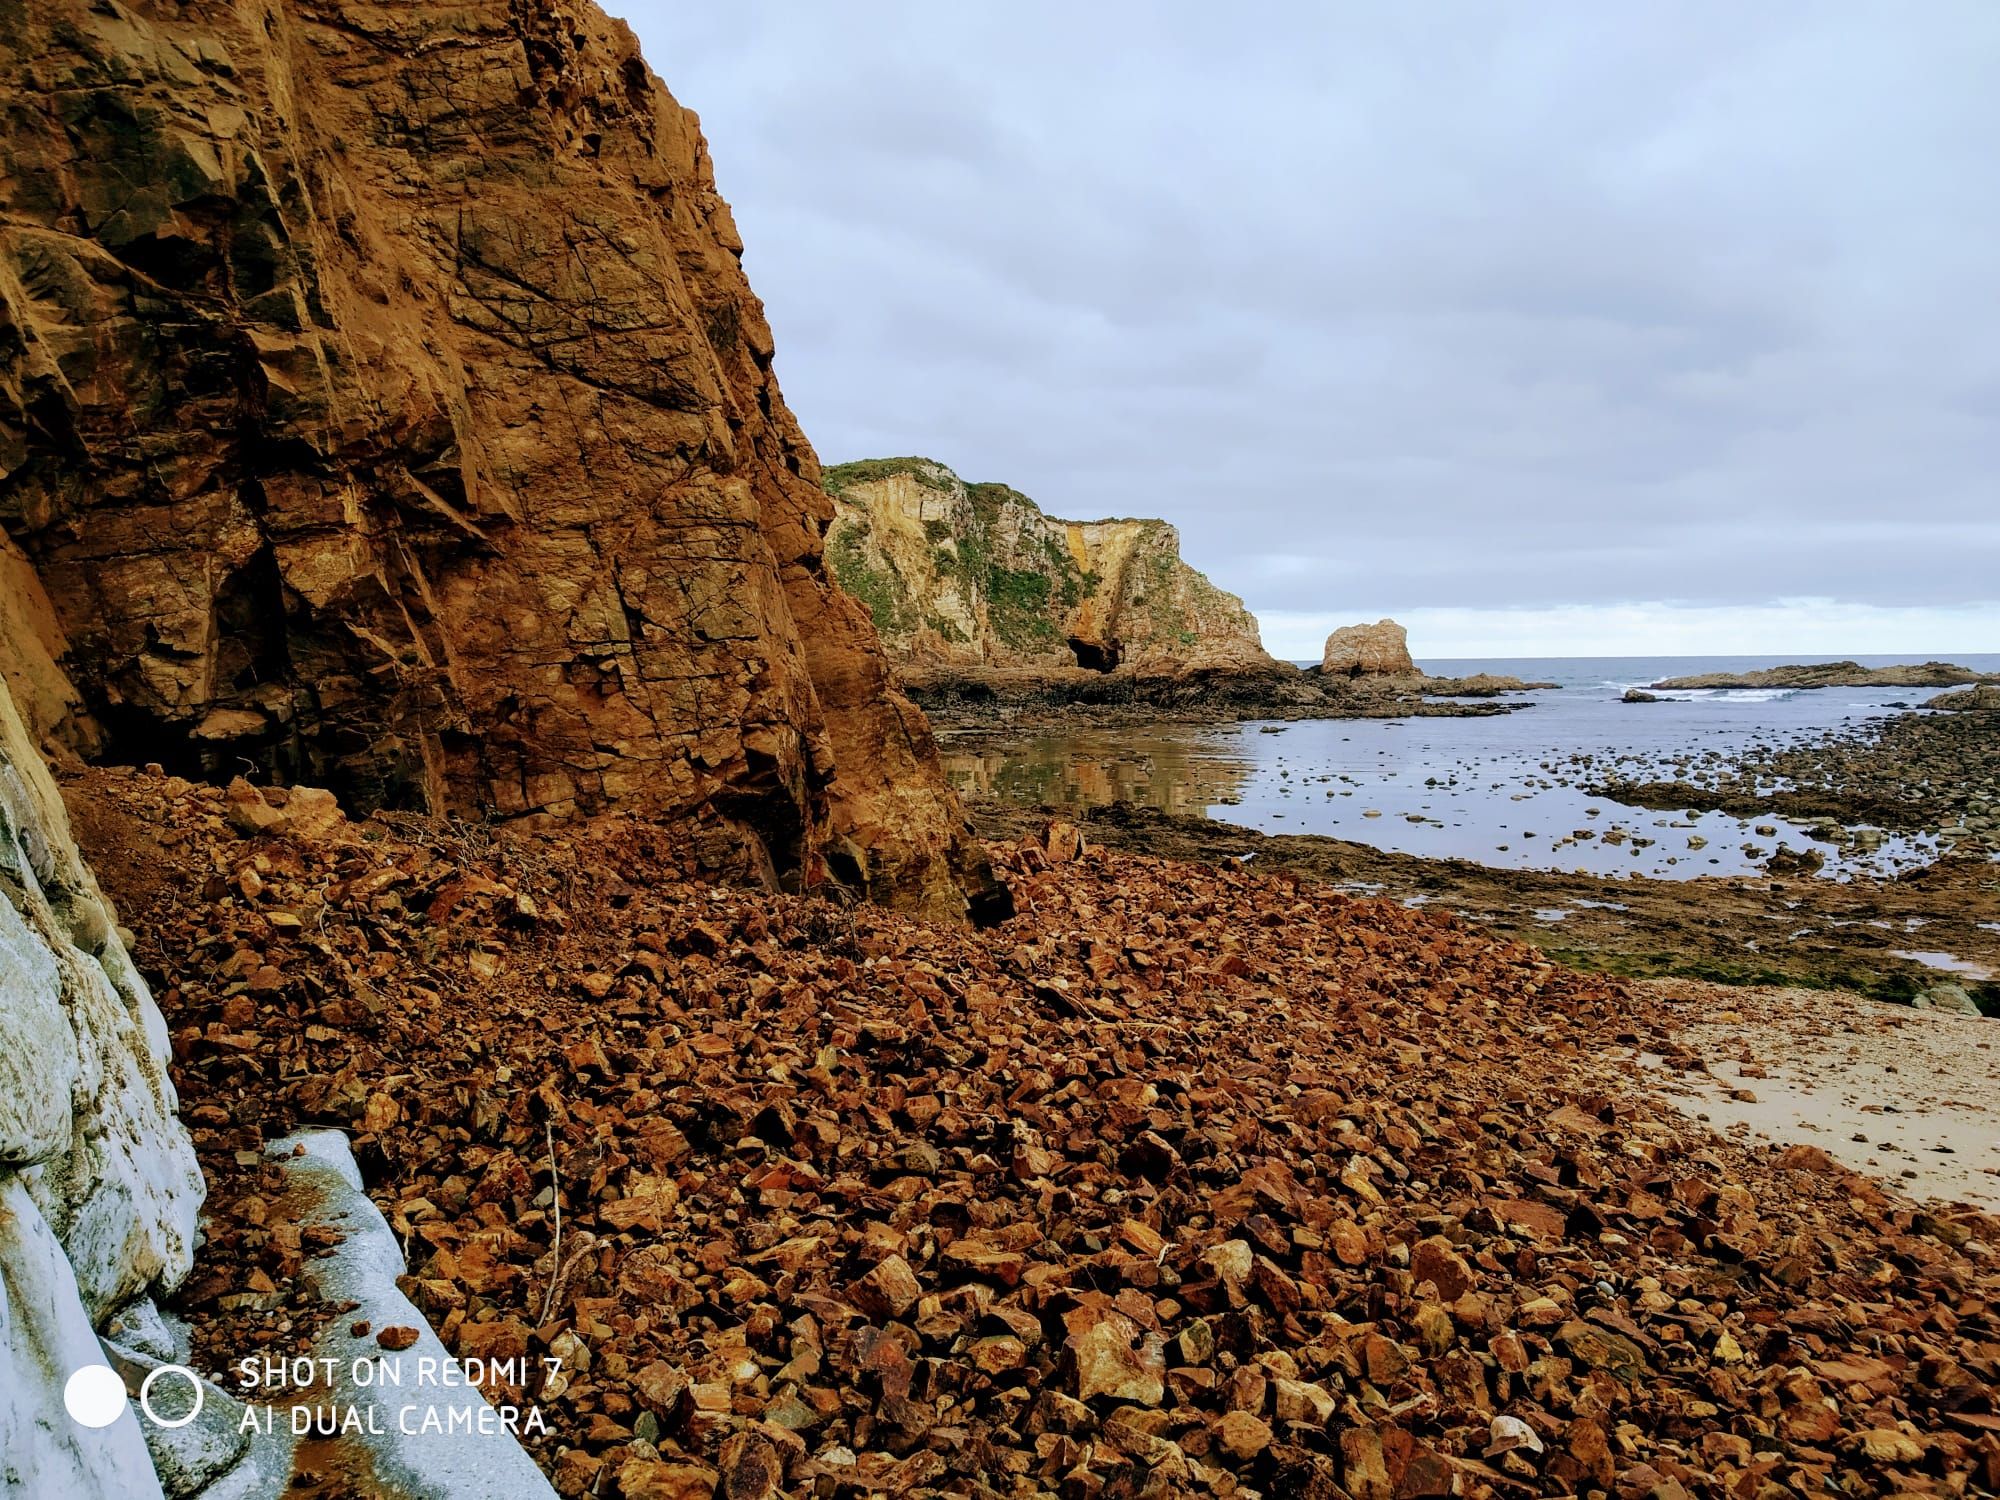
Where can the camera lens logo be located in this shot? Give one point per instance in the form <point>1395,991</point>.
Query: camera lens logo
<point>95,1396</point>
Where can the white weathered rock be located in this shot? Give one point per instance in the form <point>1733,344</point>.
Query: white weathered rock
<point>141,1327</point>
<point>98,1183</point>
<point>1510,1434</point>
<point>187,1455</point>
<point>45,1336</point>
<point>38,1064</point>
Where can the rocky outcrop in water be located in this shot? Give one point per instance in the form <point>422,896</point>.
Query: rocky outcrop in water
<point>976,578</point>
<point>383,406</point>
<point>1373,662</point>
<point>1985,697</point>
<point>98,1184</point>
<point>1831,674</point>
<point>1378,650</point>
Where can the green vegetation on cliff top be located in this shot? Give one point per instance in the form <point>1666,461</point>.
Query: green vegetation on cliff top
<point>1018,599</point>
<point>1026,597</point>
<point>836,478</point>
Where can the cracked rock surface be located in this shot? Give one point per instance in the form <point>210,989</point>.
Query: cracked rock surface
<point>383,405</point>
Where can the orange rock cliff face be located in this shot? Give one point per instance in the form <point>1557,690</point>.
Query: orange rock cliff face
<point>383,404</point>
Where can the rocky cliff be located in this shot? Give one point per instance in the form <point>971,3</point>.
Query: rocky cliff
<point>975,577</point>
<point>383,405</point>
<point>98,1184</point>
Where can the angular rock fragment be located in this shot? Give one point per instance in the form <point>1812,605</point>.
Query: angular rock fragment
<point>842,1194</point>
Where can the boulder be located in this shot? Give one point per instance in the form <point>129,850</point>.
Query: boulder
<point>1950,998</point>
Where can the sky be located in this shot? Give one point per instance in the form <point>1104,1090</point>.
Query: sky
<point>1560,329</point>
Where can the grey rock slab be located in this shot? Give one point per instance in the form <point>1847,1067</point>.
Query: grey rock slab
<point>192,1454</point>
<point>38,1064</point>
<point>141,1327</point>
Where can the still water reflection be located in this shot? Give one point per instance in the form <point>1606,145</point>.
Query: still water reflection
<point>1491,790</point>
<point>1182,769</point>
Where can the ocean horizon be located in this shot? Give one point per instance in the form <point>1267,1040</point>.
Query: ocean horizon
<point>1632,671</point>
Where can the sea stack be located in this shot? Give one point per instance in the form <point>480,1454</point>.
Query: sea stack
<point>1378,650</point>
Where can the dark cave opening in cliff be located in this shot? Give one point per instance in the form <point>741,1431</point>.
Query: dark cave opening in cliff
<point>1095,656</point>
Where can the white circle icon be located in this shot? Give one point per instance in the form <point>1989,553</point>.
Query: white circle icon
<point>95,1396</point>
<point>146,1396</point>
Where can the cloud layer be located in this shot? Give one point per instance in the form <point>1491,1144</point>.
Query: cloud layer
<point>1399,309</point>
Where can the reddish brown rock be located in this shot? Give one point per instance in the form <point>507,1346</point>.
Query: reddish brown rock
<point>1434,1260</point>
<point>648,1479</point>
<point>863,1215</point>
<point>1113,1358</point>
<point>382,403</point>
<point>1241,1435</point>
<point>889,1290</point>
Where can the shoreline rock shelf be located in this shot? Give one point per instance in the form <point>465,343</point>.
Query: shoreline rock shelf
<point>1984,698</point>
<point>1933,773</point>
<point>1832,674</point>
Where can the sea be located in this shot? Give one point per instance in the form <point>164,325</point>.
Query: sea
<point>1507,790</point>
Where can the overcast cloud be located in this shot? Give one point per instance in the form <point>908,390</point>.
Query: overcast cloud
<point>1680,314</point>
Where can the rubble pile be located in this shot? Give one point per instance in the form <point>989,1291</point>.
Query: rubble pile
<point>1183,1181</point>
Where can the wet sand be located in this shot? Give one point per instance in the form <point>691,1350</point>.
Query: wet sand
<point>1910,1096</point>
